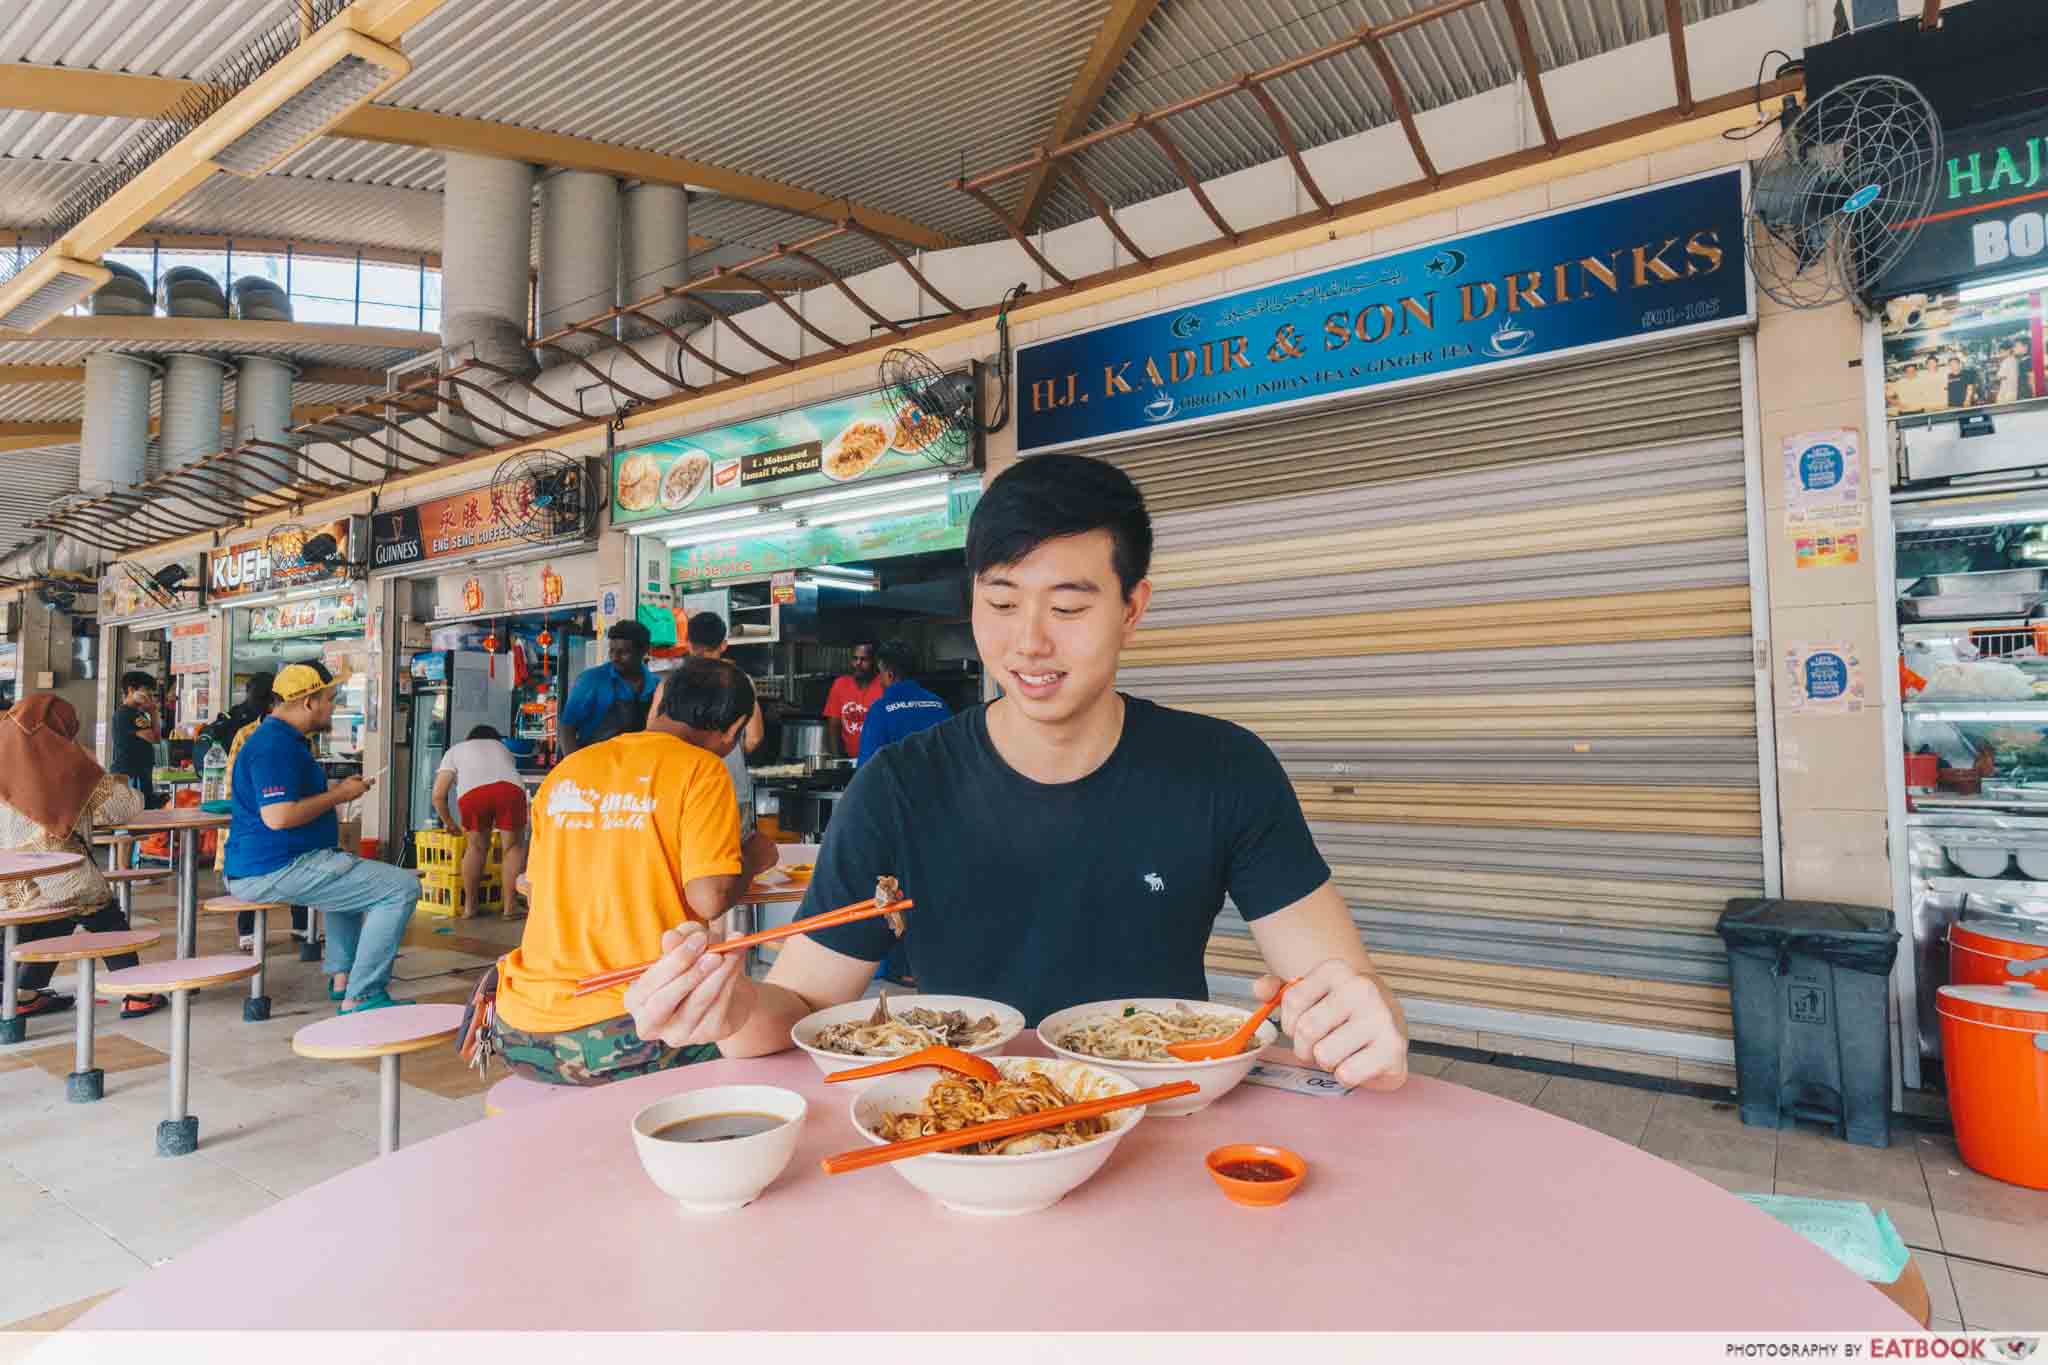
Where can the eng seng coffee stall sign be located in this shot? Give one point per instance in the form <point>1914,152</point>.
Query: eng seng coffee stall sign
<point>469,523</point>
<point>1658,263</point>
<point>1990,217</point>
<point>276,562</point>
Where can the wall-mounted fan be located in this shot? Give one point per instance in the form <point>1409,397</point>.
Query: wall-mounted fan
<point>161,588</point>
<point>542,495</point>
<point>1842,195</point>
<point>938,404</point>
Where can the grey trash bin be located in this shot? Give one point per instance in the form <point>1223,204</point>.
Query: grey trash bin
<point>1809,981</point>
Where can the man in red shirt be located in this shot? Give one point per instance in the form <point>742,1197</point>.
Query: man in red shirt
<point>846,705</point>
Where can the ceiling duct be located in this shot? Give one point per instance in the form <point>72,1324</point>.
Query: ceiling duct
<point>188,292</point>
<point>657,250</point>
<point>113,451</point>
<point>48,287</point>
<point>579,255</point>
<point>263,412</point>
<point>190,428</point>
<point>486,244</point>
<point>257,299</point>
<point>125,295</point>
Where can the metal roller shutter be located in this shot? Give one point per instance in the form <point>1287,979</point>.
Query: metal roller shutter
<point>1499,635</point>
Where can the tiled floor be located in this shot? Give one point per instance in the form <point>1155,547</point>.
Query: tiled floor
<point>86,1205</point>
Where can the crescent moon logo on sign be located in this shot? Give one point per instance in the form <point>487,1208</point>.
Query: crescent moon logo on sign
<point>1186,325</point>
<point>1449,261</point>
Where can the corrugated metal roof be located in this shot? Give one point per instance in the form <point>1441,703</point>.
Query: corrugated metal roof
<point>66,402</point>
<point>147,37</point>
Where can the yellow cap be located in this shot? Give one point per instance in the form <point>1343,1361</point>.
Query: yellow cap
<point>303,680</point>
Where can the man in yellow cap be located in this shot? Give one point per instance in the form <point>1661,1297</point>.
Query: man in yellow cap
<point>281,844</point>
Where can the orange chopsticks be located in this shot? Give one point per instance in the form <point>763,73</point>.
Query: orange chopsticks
<point>861,910</point>
<point>1001,1128</point>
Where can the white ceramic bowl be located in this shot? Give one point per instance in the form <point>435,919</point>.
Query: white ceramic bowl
<point>808,1027</point>
<point>718,1177</point>
<point>999,1184</point>
<point>1217,1078</point>
<point>1979,861</point>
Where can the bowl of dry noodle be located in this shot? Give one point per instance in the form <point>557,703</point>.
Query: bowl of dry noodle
<point>1025,1173</point>
<point>1130,1036</point>
<point>856,1034</point>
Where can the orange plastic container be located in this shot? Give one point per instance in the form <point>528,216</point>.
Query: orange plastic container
<point>1981,953</point>
<point>1994,1043</point>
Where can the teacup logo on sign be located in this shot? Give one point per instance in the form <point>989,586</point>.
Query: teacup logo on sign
<point>2015,1348</point>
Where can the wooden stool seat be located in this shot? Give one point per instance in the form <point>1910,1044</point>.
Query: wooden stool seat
<point>178,977</point>
<point>229,905</point>
<point>86,1082</point>
<point>38,914</point>
<point>135,875</point>
<point>387,1035</point>
<point>517,1092</point>
<point>90,947</point>
<point>13,1028</point>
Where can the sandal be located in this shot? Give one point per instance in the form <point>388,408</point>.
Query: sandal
<point>333,994</point>
<point>46,1002</point>
<point>378,1000</point>
<point>142,1006</point>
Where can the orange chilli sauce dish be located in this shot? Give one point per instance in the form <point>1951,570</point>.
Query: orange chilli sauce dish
<point>1254,1174</point>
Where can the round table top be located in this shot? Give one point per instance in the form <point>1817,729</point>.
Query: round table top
<point>136,874</point>
<point>179,974</point>
<point>38,914</point>
<point>73,947</point>
<point>17,867</point>
<point>379,1033</point>
<point>1434,1207</point>
<point>186,818</point>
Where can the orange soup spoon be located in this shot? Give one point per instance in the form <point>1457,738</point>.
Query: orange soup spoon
<point>1210,1049</point>
<point>946,1058</point>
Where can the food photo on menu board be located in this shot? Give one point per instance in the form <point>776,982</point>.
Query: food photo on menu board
<point>1943,354</point>
<point>862,436</point>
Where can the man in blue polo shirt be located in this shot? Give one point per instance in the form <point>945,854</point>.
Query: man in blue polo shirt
<point>905,707</point>
<point>611,699</point>
<point>281,842</point>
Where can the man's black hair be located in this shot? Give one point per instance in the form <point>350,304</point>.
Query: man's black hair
<point>707,630</point>
<point>632,632</point>
<point>707,694</point>
<point>258,693</point>
<point>135,678</point>
<point>484,732</point>
<point>897,657</point>
<point>1047,497</point>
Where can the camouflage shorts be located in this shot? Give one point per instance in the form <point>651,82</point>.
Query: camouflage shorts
<point>597,1055</point>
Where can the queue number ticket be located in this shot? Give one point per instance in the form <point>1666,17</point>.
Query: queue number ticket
<point>1302,1080</point>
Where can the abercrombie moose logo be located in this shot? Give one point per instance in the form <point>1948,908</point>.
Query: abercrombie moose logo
<point>1154,882</point>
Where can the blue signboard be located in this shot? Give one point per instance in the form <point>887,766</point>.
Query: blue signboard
<point>1662,261</point>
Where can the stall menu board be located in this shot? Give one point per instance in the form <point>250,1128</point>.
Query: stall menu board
<point>1988,217</point>
<point>861,438</point>
<point>192,648</point>
<point>273,561</point>
<point>1656,263</point>
<point>460,524</point>
<point>322,615</point>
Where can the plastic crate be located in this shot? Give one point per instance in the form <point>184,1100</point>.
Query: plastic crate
<point>441,894</point>
<point>438,850</point>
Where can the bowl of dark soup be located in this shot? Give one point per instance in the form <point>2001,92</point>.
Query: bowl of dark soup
<point>713,1150</point>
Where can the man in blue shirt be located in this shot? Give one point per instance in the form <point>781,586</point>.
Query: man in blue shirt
<point>282,836</point>
<point>611,699</point>
<point>906,705</point>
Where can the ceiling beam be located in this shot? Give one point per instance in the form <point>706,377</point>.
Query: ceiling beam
<point>1120,28</point>
<point>1681,68</point>
<point>36,238</point>
<point>1525,48</point>
<point>1398,96</point>
<point>42,374</point>
<point>60,90</point>
<point>341,374</point>
<point>48,431</point>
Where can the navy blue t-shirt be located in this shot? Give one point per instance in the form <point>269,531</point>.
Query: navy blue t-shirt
<point>1049,895</point>
<point>274,766</point>
<point>902,710</point>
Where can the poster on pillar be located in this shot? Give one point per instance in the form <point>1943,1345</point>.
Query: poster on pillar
<point>1826,508</point>
<point>1823,679</point>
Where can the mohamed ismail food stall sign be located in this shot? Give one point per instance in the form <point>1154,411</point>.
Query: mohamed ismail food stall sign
<point>1663,261</point>
<point>865,436</point>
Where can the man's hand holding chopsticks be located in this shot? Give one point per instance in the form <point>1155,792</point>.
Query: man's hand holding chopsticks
<point>689,997</point>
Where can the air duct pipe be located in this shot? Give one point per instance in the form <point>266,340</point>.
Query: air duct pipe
<point>263,412</point>
<point>657,249</point>
<point>486,245</point>
<point>190,429</point>
<point>579,254</point>
<point>113,451</point>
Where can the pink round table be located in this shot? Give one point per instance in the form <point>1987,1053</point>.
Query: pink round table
<point>185,824</point>
<point>1436,1207</point>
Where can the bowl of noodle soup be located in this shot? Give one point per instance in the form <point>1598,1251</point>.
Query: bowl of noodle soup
<point>859,1042</point>
<point>1135,1032</point>
<point>998,1183</point>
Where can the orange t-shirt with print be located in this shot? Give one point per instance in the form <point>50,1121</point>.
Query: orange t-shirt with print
<point>618,829</point>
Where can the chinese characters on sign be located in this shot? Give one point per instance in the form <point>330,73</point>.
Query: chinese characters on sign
<point>463,523</point>
<point>1825,507</point>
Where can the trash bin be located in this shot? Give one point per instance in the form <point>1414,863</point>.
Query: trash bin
<point>1809,981</point>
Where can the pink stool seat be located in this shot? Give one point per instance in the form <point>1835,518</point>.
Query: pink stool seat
<point>72,947</point>
<point>517,1092</point>
<point>178,973</point>
<point>387,1035</point>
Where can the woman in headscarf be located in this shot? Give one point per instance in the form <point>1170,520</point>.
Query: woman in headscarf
<point>51,794</point>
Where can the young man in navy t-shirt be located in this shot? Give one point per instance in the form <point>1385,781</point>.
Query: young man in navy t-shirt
<point>1064,843</point>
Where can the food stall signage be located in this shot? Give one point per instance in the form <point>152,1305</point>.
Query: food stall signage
<point>122,599</point>
<point>1987,217</point>
<point>861,437</point>
<point>462,523</point>
<point>1655,263</point>
<point>941,528</point>
<point>249,567</point>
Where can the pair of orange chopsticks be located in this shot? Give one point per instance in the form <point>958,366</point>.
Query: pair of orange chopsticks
<point>861,910</point>
<point>1002,1128</point>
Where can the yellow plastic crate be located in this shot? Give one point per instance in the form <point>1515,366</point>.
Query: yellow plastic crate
<point>441,894</point>
<point>437,850</point>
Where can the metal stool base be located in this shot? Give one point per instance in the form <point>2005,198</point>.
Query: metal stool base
<point>310,952</point>
<point>178,1137</point>
<point>84,1087</point>
<point>13,1030</point>
<point>257,1010</point>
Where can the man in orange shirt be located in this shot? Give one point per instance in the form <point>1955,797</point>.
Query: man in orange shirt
<point>631,837</point>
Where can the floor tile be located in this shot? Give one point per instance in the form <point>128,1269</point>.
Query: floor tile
<point>66,1256</point>
<point>1941,1288</point>
<point>1617,1110</point>
<point>1427,1064</point>
<point>1520,1086</point>
<point>2023,1245</point>
<point>1946,1326</point>
<point>111,1052</point>
<point>1994,1298</point>
<point>292,1154</point>
<point>1735,1182</point>
<point>160,1210</point>
<point>1877,1175</point>
<point>1711,1134</point>
<point>58,1318</point>
<point>1981,1217</point>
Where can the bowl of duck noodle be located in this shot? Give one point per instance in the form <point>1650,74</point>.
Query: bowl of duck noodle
<point>867,1031</point>
<point>1130,1037</point>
